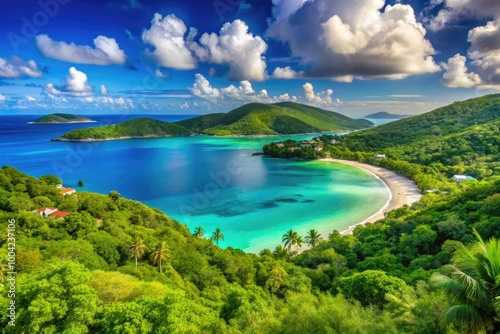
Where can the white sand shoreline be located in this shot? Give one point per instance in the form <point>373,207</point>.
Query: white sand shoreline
<point>402,191</point>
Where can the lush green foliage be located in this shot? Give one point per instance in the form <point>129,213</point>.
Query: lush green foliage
<point>269,119</point>
<point>136,128</point>
<point>61,118</point>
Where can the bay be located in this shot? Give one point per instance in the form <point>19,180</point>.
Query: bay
<point>201,180</point>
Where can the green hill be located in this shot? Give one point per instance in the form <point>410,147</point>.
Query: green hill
<point>61,118</point>
<point>136,128</point>
<point>271,119</point>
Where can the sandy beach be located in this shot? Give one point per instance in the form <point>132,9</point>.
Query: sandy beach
<point>402,190</point>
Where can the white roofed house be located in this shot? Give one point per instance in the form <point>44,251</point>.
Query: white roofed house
<point>461,178</point>
<point>380,156</point>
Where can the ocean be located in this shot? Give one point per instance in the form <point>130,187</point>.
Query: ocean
<point>201,180</point>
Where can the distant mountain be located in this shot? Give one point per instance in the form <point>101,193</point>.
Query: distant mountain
<point>385,115</point>
<point>271,119</point>
<point>61,118</point>
<point>136,128</point>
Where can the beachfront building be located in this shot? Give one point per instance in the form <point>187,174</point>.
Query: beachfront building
<point>67,191</point>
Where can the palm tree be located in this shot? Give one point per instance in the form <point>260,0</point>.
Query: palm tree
<point>289,238</point>
<point>298,242</point>
<point>217,235</point>
<point>198,232</point>
<point>160,254</point>
<point>280,252</point>
<point>137,249</point>
<point>473,285</point>
<point>313,238</point>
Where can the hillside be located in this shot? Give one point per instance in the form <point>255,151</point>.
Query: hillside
<point>385,115</point>
<point>272,119</point>
<point>136,128</point>
<point>61,118</point>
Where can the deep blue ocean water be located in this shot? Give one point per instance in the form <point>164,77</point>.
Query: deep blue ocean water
<point>201,180</point>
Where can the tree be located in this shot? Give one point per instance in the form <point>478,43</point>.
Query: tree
<point>313,238</point>
<point>298,242</point>
<point>217,235</point>
<point>80,183</point>
<point>473,285</point>
<point>198,232</point>
<point>115,195</point>
<point>160,254</point>
<point>289,238</point>
<point>137,249</point>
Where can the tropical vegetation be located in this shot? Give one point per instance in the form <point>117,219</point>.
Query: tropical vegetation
<point>62,118</point>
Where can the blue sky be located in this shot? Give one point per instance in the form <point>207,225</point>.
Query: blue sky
<point>174,57</point>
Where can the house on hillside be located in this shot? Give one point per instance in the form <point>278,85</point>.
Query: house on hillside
<point>52,212</point>
<point>67,191</point>
<point>292,149</point>
<point>318,148</point>
<point>59,214</point>
<point>380,156</point>
<point>333,141</point>
<point>280,144</point>
<point>45,212</point>
<point>461,178</point>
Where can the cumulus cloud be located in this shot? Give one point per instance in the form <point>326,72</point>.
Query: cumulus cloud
<point>457,76</point>
<point>359,38</point>
<point>285,73</point>
<point>30,98</point>
<point>167,36</point>
<point>106,51</point>
<point>2,98</point>
<point>243,93</point>
<point>18,68</point>
<point>323,98</point>
<point>103,90</point>
<point>74,84</point>
<point>484,54</point>
<point>455,9</point>
<point>235,47</point>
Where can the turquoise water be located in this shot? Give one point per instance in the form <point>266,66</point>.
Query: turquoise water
<point>204,181</point>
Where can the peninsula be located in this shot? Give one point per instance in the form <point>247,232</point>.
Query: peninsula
<point>59,118</point>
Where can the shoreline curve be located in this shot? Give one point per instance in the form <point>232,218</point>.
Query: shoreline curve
<point>402,191</point>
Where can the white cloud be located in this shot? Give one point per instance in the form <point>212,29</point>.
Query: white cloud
<point>166,35</point>
<point>74,84</point>
<point>359,38</point>
<point>103,90</point>
<point>285,73</point>
<point>17,68</point>
<point>235,47</point>
<point>319,99</point>
<point>2,98</point>
<point>30,98</point>
<point>455,9</point>
<point>106,51</point>
<point>457,76</point>
<point>231,95</point>
<point>160,74</point>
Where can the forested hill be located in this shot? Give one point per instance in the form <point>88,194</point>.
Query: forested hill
<point>62,118</point>
<point>451,119</point>
<point>271,119</point>
<point>136,128</point>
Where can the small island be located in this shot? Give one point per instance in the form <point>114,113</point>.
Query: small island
<point>385,115</point>
<point>61,119</point>
<point>135,128</point>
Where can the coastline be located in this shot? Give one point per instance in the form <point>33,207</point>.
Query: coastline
<point>402,190</point>
<point>71,122</point>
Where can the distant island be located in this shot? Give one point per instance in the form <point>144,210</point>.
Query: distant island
<point>273,119</point>
<point>136,128</point>
<point>248,120</point>
<point>385,115</point>
<point>61,118</point>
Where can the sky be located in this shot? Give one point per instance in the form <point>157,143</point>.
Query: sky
<point>355,57</point>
